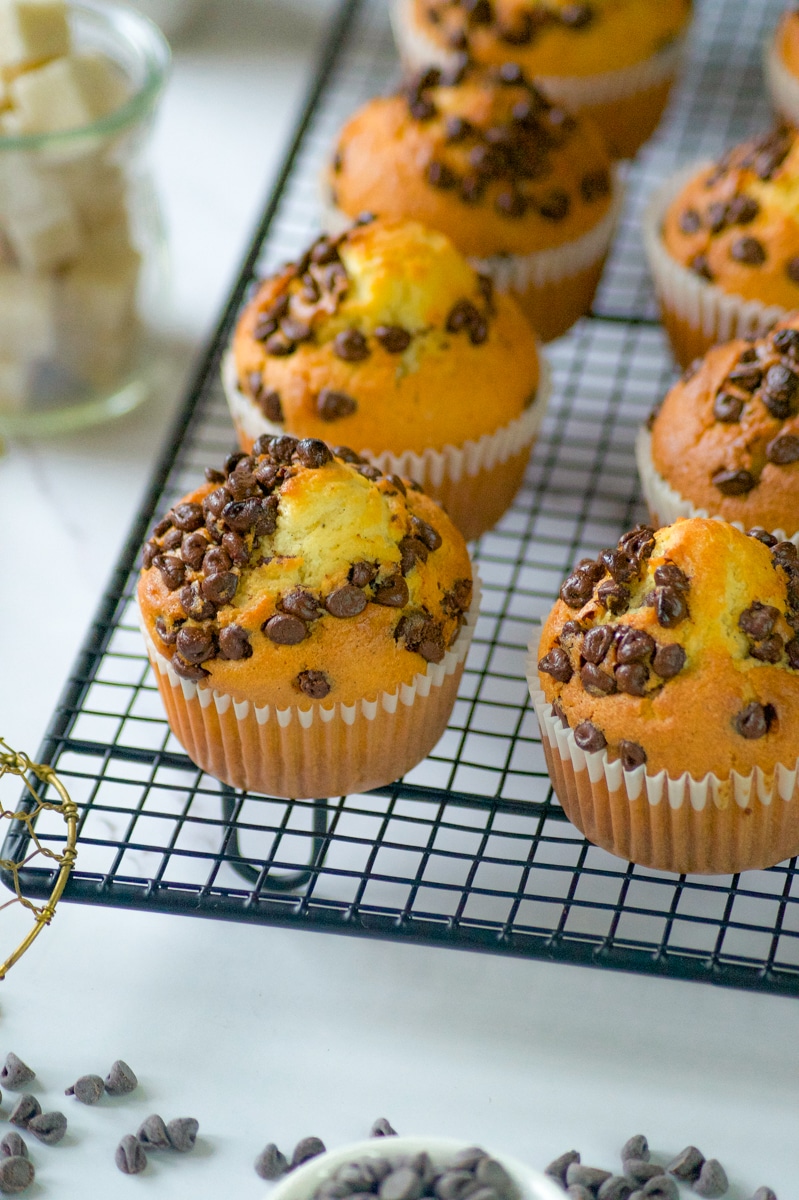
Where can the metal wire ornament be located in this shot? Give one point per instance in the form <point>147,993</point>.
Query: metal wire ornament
<point>27,813</point>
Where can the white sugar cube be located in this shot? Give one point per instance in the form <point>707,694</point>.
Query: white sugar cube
<point>44,237</point>
<point>31,31</point>
<point>26,303</point>
<point>95,187</point>
<point>67,93</point>
<point>14,384</point>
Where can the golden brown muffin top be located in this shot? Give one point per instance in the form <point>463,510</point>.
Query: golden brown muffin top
<point>387,339</point>
<point>736,224</point>
<point>679,649</point>
<point>479,154</point>
<point>299,572</point>
<point>787,39</point>
<point>726,437</point>
<point>554,37</point>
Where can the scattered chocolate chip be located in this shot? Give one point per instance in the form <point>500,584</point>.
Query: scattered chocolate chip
<point>12,1145</point>
<point>382,1128</point>
<point>121,1079</point>
<point>88,1089</point>
<point>48,1127</point>
<point>669,660</point>
<point>285,630</point>
<point>617,1187</point>
<point>25,1109</point>
<point>313,453</point>
<point>712,1181</point>
<point>393,592</point>
<point>129,1156</point>
<point>307,1148</point>
<point>182,1133</point>
<point>764,1193</point>
<point>591,1178</point>
<point>16,1174</point>
<point>734,483</point>
<point>15,1074</point>
<point>783,449</point>
<point>346,601</point>
<point>596,643</point>
<point>558,1167</point>
<point>634,645</point>
<point>332,405</point>
<point>728,407</point>
<point>152,1133</point>
<point>351,346</point>
<point>660,1187</point>
<point>270,1163</point>
<point>752,721</point>
<point>641,1170</point>
<point>588,737</point>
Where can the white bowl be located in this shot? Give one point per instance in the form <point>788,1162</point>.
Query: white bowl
<point>301,1183</point>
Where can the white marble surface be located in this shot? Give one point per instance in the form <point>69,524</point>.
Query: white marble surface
<point>271,1035</point>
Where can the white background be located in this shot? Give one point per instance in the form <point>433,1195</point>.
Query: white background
<point>272,1035</point>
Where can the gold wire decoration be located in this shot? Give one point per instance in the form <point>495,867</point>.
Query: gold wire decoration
<point>27,813</point>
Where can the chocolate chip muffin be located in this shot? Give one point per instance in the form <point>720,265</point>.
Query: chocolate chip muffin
<point>725,441</point>
<point>523,188</point>
<point>387,339</point>
<point>781,66</point>
<point>667,692</point>
<point>307,620</point>
<point>723,245</point>
<point>613,59</point>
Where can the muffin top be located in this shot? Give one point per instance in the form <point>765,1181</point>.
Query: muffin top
<point>787,39</point>
<point>727,435</point>
<point>298,573</point>
<point>679,649</point>
<point>480,154</point>
<point>388,339</point>
<point>554,37</point>
<point>736,224</point>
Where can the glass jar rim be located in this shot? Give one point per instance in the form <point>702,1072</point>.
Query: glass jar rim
<point>153,53</point>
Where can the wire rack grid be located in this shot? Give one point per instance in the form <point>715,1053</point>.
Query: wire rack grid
<point>470,849</point>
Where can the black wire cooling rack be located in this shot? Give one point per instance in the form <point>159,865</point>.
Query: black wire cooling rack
<point>470,849</point>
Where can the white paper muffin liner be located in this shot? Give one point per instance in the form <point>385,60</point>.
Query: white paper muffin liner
<point>315,748</point>
<point>783,87</point>
<point>666,505</point>
<point>575,92</point>
<point>688,824</point>
<point>717,315</point>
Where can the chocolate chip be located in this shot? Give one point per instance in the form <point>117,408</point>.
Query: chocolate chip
<point>749,251</point>
<point>152,1133</point>
<point>362,573</point>
<point>172,540</point>
<point>558,1167</point>
<point>166,633</point>
<point>88,1089</point>
<point>632,678</point>
<point>792,269</point>
<point>398,483</point>
<point>752,721</point>
<point>634,645</point>
<point>393,592</point>
<point>12,1145</point>
<point>426,533</point>
<point>150,552</point>
<point>220,588</point>
<point>576,589</point>
<point>462,316</point>
<point>285,630</point>
<point>194,603</point>
<point>234,643</point>
<point>689,221</point>
<point>764,1193</point>
<point>783,449</point>
<point>595,185</point>
<point>727,407</point>
<point>596,643</point>
<point>308,1147</point>
<point>596,681</point>
<point>235,547</point>
<point>346,601</point>
<point>792,650</point>
<point>16,1174</point>
<point>555,206</point>
<point>422,108</point>
<point>15,1074</point>
<point>393,338</point>
<point>668,574</point>
<point>577,1174</point>
<point>182,1133</point>
<point>510,203</point>
<point>670,606</point>
<point>746,375</point>
<point>193,549</point>
<point>472,189</point>
<point>171,569</point>
<point>615,1188</point>
<point>632,755</point>
<point>660,1187</point>
<point>279,346</point>
<point>412,550</point>
<point>669,660</point>
<point>700,266</point>
<point>332,405</point>
<point>639,542</point>
<point>780,391</point>
<point>187,517</point>
<point>588,737</point>
<point>129,1156</point>
<point>640,1171</point>
<point>270,1163</point>
<point>301,603</point>
<point>762,535</point>
<point>734,483</point>
<point>215,501</point>
<point>313,453</point>
<point>194,644</point>
<point>577,16</point>
<point>712,1179</point>
<point>716,215</point>
<point>48,1127</point>
<point>440,175</point>
<point>351,346</point>
<point>313,683</point>
<point>621,567</point>
<point>758,620</point>
<point>742,210</point>
<point>614,596</point>
<point>25,1109</point>
<point>769,650</point>
<point>187,670</point>
<point>786,341</point>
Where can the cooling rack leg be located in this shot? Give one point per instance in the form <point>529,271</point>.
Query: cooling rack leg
<point>257,875</point>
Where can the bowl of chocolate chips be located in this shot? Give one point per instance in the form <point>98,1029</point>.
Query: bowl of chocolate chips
<point>415,1168</point>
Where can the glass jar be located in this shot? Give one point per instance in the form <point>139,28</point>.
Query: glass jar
<point>82,247</point>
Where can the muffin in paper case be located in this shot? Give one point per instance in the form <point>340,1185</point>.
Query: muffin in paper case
<point>307,620</point>
<point>780,62</point>
<point>666,686</point>
<point>404,352</point>
<point>724,442</point>
<point>617,66</point>
<point>525,190</point>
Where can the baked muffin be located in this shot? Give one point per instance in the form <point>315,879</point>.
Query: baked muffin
<point>307,620</point>
<point>725,441</point>
<point>667,691</point>
<point>723,245</point>
<point>781,66</point>
<point>525,190</point>
<point>613,59</point>
<point>386,339</point>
